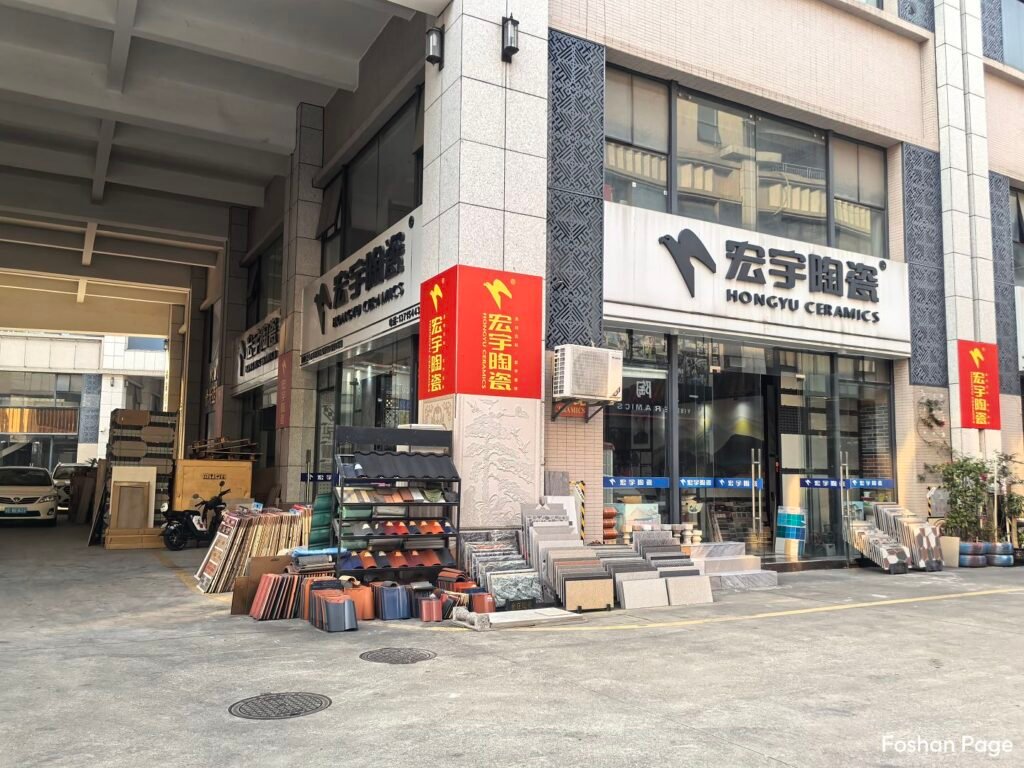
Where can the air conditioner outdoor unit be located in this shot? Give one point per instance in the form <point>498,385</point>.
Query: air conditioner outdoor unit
<point>589,374</point>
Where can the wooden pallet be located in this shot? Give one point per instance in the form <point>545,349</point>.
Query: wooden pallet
<point>223,449</point>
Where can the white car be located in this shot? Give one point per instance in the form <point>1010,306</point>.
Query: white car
<point>27,493</point>
<point>62,475</point>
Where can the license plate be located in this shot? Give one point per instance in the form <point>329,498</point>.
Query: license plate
<point>12,511</point>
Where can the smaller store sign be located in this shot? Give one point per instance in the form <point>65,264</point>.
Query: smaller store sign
<point>370,293</point>
<point>862,483</point>
<point>635,482</point>
<point>258,351</point>
<point>481,333</point>
<point>979,384</point>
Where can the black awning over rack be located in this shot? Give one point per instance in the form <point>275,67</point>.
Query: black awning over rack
<point>390,465</point>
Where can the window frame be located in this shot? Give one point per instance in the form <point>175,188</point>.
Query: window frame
<point>336,229</point>
<point>677,91</point>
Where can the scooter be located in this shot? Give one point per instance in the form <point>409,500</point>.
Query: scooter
<point>199,525</point>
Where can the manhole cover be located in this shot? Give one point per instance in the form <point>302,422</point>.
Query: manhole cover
<point>398,655</point>
<point>279,706</point>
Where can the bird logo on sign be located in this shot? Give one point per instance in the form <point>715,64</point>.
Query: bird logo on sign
<point>684,250</point>
<point>977,356</point>
<point>436,295</point>
<point>498,289</point>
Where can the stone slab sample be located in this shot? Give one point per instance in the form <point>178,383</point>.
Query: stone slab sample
<point>715,549</point>
<point>690,591</point>
<point>739,581</point>
<point>644,593</point>
<point>731,564</point>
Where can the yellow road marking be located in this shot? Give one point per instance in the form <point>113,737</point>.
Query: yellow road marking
<point>745,617</point>
<point>185,577</point>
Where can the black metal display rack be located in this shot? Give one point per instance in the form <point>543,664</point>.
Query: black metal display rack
<point>370,477</point>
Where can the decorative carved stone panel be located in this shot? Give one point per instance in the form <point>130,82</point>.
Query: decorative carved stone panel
<point>992,28</point>
<point>575,115</point>
<point>575,194</point>
<point>89,412</point>
<point>497,451</point>
<point>920,12</point>
<point>1003,221</point>
<point>922,226</point>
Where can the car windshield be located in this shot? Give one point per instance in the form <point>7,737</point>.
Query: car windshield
<point>24,476</point>
<point>65,472</point>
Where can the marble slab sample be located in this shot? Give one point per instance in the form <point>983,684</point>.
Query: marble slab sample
<point>715,549</point>
<point>740,581</point>
<point>621,578</point>
<point>680,570</point>
<point>533,617</point>
<point>644,593</point>
<point>691,591</point>
<point>731,564</point>
<point>515,585</point>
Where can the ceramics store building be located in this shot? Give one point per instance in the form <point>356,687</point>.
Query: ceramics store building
<point>757,311</point>
<point>785,250</point>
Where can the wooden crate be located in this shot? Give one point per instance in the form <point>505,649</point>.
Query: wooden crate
<point>203,477</point>
<point>133,538</point>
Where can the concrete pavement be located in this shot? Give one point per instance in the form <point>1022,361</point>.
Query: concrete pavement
<point>111,659</point>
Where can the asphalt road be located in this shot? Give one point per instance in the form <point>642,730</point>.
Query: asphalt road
<point>111,659</point>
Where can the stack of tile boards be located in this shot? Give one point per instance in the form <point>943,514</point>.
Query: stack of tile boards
<point>570,571</point>
<point>920,537</point>
<point>499,567</point>
<point>877,545</point>
<point>654,572</point>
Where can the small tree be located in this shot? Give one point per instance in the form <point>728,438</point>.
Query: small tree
<point>1011,505</point>
<point>966,479</point>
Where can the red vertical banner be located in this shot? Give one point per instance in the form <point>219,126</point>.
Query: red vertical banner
<point>438,297</point>
<point>979,384</point>
<point>481,333</point>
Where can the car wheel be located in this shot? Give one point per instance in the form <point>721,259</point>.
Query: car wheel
<point>174,537</point>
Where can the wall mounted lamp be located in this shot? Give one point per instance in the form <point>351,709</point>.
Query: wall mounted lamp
<point>509,38</point>
<point>435,46</point>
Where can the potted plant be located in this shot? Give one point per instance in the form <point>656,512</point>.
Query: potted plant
<point>966,480</point>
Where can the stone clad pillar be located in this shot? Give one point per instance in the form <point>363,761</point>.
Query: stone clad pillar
<point>485,205</point>
<point>296,387</point>
<point>966,218</point>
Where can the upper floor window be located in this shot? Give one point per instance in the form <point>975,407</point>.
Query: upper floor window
<point>263,283</point>
<point>1017,212</point>
<point>377,188</point>
<point>636,150</point>
<point>739,168</point>
<point>1013,33</point>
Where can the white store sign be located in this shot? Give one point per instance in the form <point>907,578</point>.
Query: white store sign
<point>258,350</point>
<point>672,272</point>
<point>370,293</point>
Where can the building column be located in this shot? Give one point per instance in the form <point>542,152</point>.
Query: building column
<point>191,420</point>
<point>966,221</point>
<point>485,205</point>
<point>296,387</point>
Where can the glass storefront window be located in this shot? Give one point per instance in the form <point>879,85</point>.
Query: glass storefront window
<point>1013,33</point>
<point>635,457</point>
<point>376,387</point>
<point>787,417</point>
<point>259,422</point>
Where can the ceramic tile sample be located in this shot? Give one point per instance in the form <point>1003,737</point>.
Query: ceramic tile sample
<point>730,564</point>
<point>689,591</point>
<point>644,593</point>
<point>716,549</point>
<point>743,580</point>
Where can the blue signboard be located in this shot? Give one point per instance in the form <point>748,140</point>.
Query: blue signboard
<point>696,482</point>
<point>853,482</point>
<point>738,482</point>
<point>635,482</point>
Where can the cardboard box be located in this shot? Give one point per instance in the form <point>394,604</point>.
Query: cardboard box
<point>203,477</point>
<point>244,591</point>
